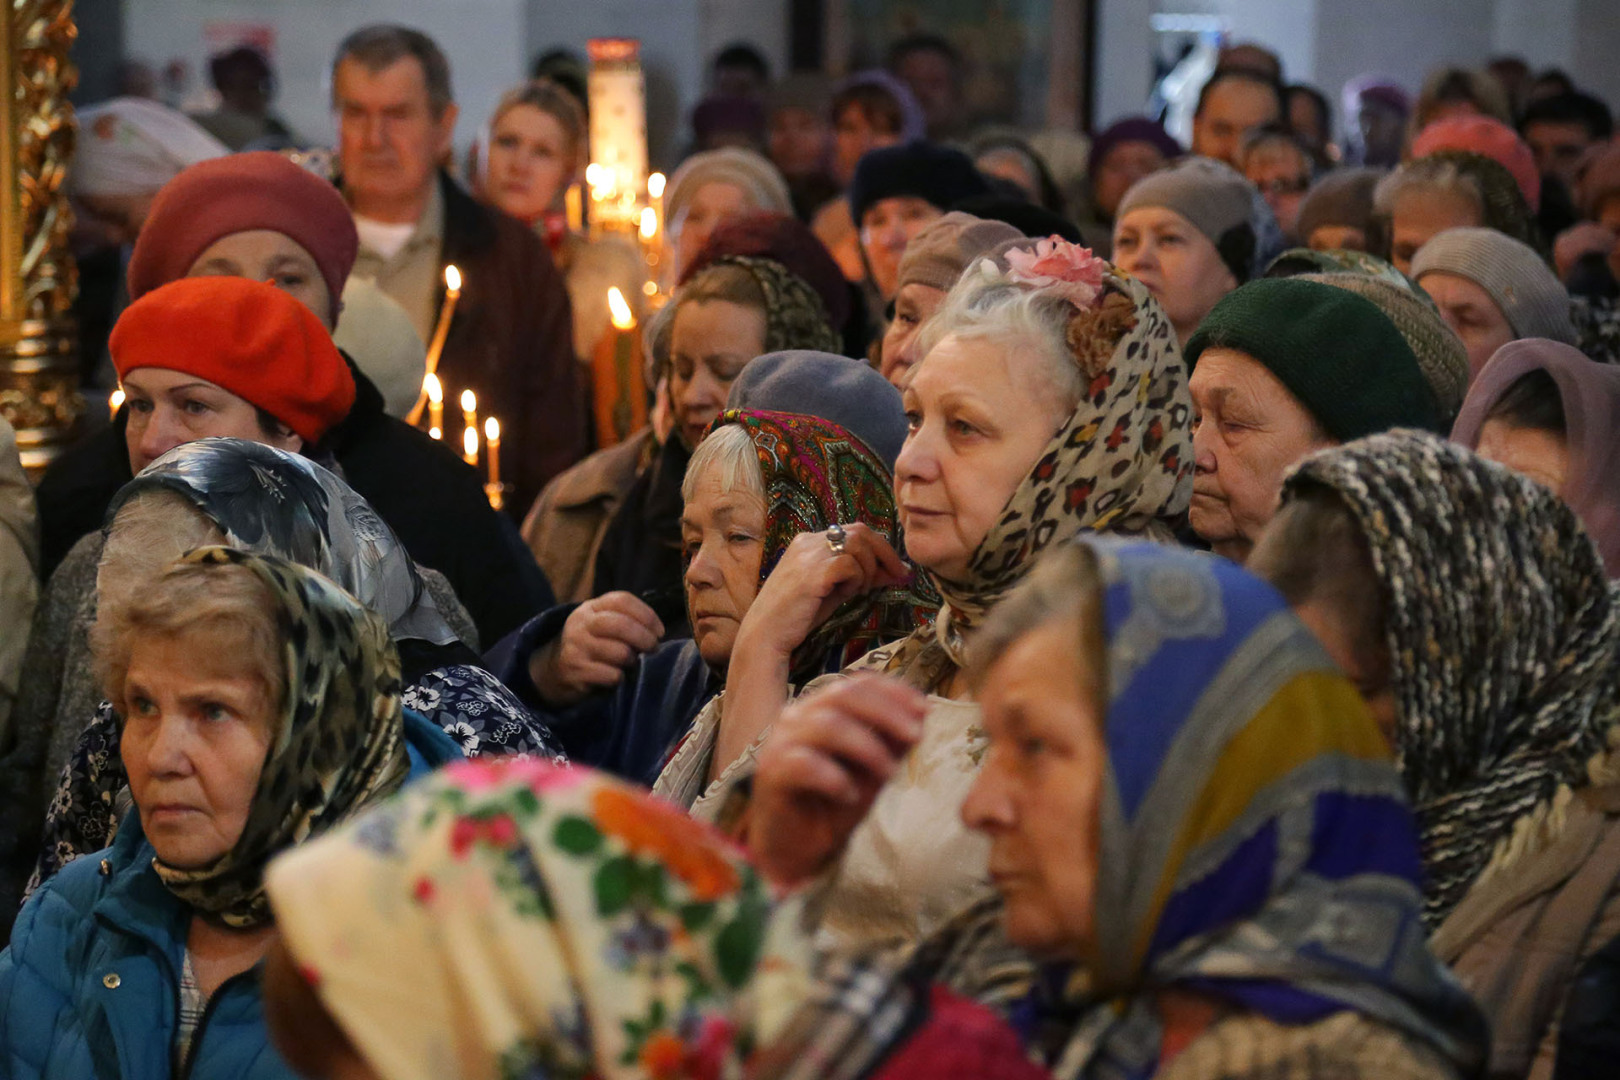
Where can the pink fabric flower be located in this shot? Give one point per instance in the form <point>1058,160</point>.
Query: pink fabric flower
<point>1069,270</point>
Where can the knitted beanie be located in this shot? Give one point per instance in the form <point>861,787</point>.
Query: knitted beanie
<point>1132,129</point>
<point>1213,197</point>
<point>243,336</point>
<point>937,256</point>
<point>751,172</point>
<point>937,174</point>
<point>1334,351</point>
<point>833,388</point>
<point>1439,351</point>
<point>243,192</point>
<point>1487,137</point>
<point>1343,198</point>
<point>1532,299</point>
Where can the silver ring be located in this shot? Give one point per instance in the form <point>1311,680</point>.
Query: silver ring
<point>836,537</point>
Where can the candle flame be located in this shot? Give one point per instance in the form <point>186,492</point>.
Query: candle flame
<point>115,400</point>
<point>433,388</point>
<point>622,318</point>
<point>595,175</point>
<point>649,223</point>
<point>492,430</point>
<point>655,185</point>
<point>435,433</point>
<point>469,442</point>
<point>469,401</point>
<point>452,278</point>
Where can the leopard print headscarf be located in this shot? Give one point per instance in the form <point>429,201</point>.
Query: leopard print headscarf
<point>338,745</point>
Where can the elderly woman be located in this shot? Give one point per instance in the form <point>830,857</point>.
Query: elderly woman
<point>1543,409</point>
<point>716,186</point>
<point>1489,655</point>
<point>251,497</point>
<point>1193,232</point>
<point>260,707</point>
<point>1050,400</point>
<point>1449,189</point>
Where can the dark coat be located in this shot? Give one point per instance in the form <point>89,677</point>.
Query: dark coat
<point>640,548</point>
<point>512,342</point>
<point>427,495</point>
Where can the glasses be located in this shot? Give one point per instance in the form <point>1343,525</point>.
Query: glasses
<point>1283,186</point>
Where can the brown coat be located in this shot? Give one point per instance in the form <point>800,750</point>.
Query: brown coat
<point>565,526</point>
<point>1521,933</point>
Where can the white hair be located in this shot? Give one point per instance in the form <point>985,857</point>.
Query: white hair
<point>729,453</point>
<point>1426,174</point>
<point>984,306</point>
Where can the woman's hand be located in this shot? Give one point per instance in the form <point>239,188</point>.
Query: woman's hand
<point>809,583</point>
<point>602,638</point>
<point>1578,241</point>
<point>822,768</point>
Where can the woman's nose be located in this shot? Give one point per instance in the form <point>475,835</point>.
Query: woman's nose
<point>159,434</point>
<point>1203,449</point>
<point>917,460</point>
<point>700,571</point>
<point>167,752</point>
<point>986,807</point>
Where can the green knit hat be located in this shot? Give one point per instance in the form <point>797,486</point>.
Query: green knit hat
<point>1335,351</point>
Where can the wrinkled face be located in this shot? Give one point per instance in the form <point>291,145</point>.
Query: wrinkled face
<point>273,258</point>
<point>531,161</point>
<point>712,204</point>
<point>979,419</point>
<point>709,344</point>
<point>912,306</point>
<point>389,139</point>
<point>1247,430</point>
<point>1283,175</point>
<point>1177,263</point>
<point>854,134</point>
<point>1121,167</point>
<point>167,408</point>
<point>887,226</point>
<point>1337,237</point>
<point>197,727</point>
<point>723,543</point>
<point>1543,456</point>
<point>1419,214</point>
<point>798,140</point>
<point>1039,791</point>
<point>1469,310</point>
<point>933,82</point>
<point>1558,147</point>
<point>1232,110</point>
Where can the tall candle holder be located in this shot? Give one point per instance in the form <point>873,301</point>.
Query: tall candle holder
<point>617,175</point>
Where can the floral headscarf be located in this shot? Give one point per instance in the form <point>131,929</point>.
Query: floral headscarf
<point>1504,641</point>
<point>1121,463</point>
<point>338,745</point>
<point>514,919</point>
<point>816,475</point>
<point>276,503</point>
<point>795,317</point>
<point>1255,842</point>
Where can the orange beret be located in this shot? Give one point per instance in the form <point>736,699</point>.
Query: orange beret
<point>243,336</point>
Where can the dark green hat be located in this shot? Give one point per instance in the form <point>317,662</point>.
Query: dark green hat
<point>1335,351</point>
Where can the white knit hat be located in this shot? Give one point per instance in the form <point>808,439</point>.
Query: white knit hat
<point>1532,299</point>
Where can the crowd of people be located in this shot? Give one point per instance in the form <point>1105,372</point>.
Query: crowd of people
<point>1077,608</point>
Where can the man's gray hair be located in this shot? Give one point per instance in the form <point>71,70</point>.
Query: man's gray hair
<point>383,44</point>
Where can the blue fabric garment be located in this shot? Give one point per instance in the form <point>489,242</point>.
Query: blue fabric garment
<point>629,730</point>
<point>89,987</point>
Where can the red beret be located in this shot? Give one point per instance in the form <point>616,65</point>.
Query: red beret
<point>243,336</point>
<point>240,193</point>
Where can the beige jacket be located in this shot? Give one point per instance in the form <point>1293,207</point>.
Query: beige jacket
<point>565,526</point>
<point>19,569</point>
<point>1544,905</point>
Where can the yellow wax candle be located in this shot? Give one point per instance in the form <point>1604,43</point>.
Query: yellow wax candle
<point>469,446</point>
<point>492,444</point>
<point>469,409</point>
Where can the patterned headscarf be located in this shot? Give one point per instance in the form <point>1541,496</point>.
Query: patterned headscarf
<point>275,503</point>
<point>1121,463</point>
<point>1505,208</point>
<point>338,745</point>
<point>816,475</point>
<point>1504,641</point>
<point>510,919</point>
<point>1255,844</point>
<point>795,317</point>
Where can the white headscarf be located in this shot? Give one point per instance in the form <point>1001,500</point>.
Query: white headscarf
<point>132,146</point>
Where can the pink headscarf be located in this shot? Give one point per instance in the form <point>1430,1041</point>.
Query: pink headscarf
<point>1590,393</point>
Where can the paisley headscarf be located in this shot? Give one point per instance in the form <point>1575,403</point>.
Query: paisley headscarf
<point>338,744</point>
<point>283,504</point>
<point>816,475</point>
<point>1121,463</point>
<point>515,919</point>
<point>1255,843</point>
<point>1504,641</point>
<point>795,317</point>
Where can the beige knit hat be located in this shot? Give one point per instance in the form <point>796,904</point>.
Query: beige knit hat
<point>1439,351</point>
<point>1531,297</point>
<point>937,256</point>
<point>757,177</point>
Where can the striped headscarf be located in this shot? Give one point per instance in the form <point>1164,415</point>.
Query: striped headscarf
<point>1504,641</point>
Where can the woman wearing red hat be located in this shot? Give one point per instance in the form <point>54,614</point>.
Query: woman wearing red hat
<point>259,216</point>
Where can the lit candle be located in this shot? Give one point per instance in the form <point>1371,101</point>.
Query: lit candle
<point>469,446</point>
<point>574,208</point>
<point>447,311</point>
<point>492,442</point>
<point>435,395</point>
<point>435,433</point>
<point>115,401</point>
<point>649,224</point>
<point>469,409</point>
<point>620,395</point>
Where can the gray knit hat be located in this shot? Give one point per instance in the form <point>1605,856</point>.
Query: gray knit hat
<point>1439,351</point>
<point>1532,299</point>
<point>833,388</point>
<point>937,256</point>
<point>1217,200</point>
<point>1343,198</point>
